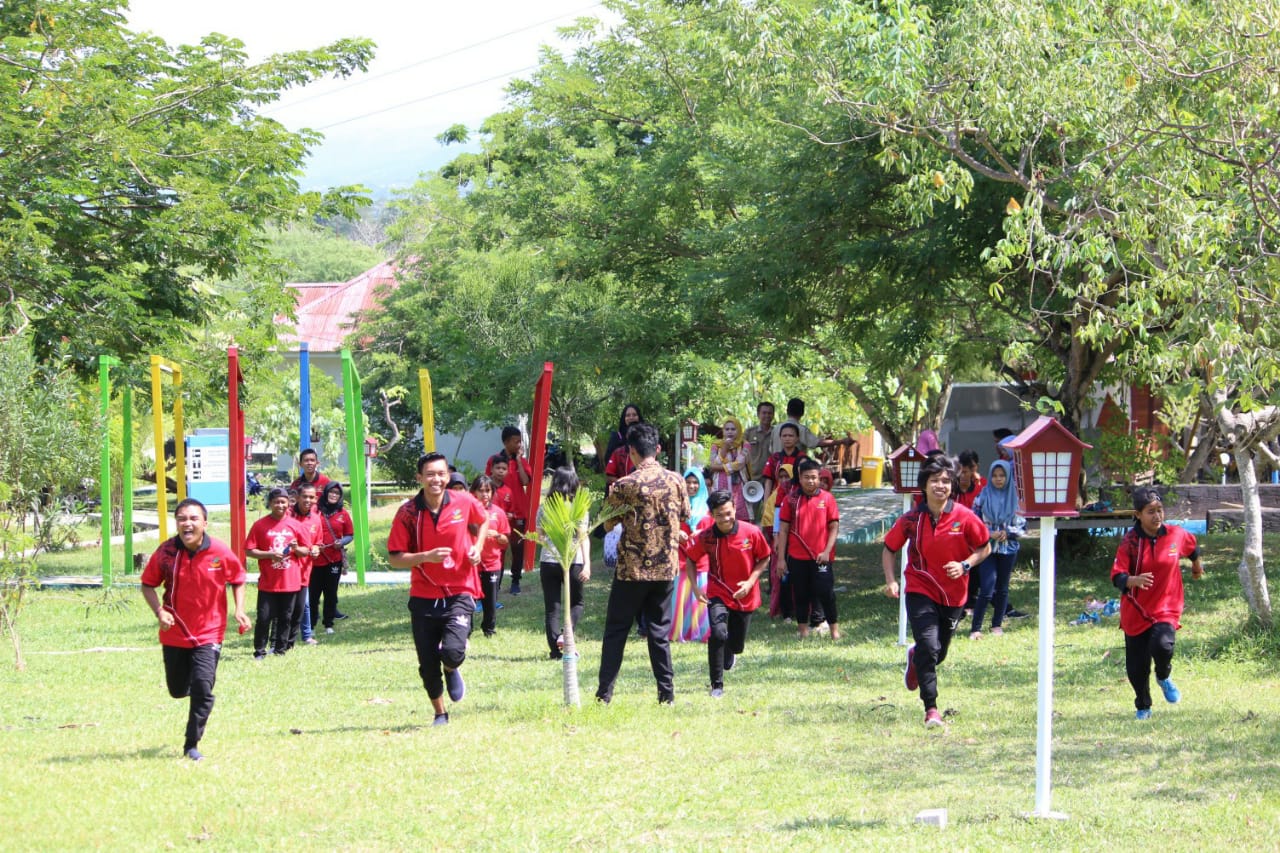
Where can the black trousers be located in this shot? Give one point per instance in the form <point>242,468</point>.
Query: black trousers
<point>1153,645</point>
<point>628,599</point>
<point>275,611</point>
<point>728,636</point>
<point>300,600</point>
<point>324,582</point>
<point>440,628</point>
<point>489,587</point>
<point>192,672</point>
<point>814,591</point>
<point>516,550</point>
<point>932,627</point>
<point>553,599</point>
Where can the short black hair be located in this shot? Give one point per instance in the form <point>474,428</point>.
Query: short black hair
<point>430,457</point>
<point>301,486</point>
<point>933,466</point>
<point>1143,496</point>
<point>968,457</point>
<point>564,482</point>
<point>307,451</point>
<point>764,403</point>
<point>795,408</point>
<point>643,439</point>
<point>480,481</point>
<point>186,502</point>
<point>500,459</point>
<point>807,464</point>
<point>719,498</point>
<point>508,432</point>
<point>789,426</point>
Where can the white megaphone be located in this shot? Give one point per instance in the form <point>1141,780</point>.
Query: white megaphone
<point>753,491</point>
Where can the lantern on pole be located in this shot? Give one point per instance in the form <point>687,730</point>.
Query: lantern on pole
<point>688,436</point>
<point>907,461</point>
<point>1047,460</point>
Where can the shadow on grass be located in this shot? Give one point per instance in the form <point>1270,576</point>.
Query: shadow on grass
<point>839,822</point>
<point>150,752</point>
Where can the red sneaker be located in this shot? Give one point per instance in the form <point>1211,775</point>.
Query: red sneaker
<point>909,674</point>
<point>932,719</point>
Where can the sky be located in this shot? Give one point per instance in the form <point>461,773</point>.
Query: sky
<point>437,64</point>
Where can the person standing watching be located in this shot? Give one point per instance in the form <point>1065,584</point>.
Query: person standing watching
<point>195,571</point>
<point>309,463</point>
<point>431,536</point>
<point>759,440</point>
<point>648,560</point>
<point>519,476</point>
<point>271,541</point>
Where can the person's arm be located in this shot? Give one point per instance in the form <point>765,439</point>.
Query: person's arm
<point>744,588</point>
<point>955,569</point>
<point>833,532</point>
<point>266,555</point>
<point>889,562</point>
<point>784,533</point>
<point>237,598</point>
<point>162,614</point>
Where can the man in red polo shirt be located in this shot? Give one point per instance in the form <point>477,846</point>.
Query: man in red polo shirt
<point>519,476</point>
<point>430,535</point>
<point>808,523</point>
<point>737,555</point>
<point>947,541</point>
<point>306,516</point>
<point>309,463</point>
<point>271,541</point>
<point>195,571</point>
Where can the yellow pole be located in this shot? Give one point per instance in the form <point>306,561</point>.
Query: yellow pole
<point>428,411</point>
<point>157,426</point>
<point>179,435</point>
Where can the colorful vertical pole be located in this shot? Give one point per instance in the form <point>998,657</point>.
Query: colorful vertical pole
<point>351,403</point>
<point>179,433</point>
<point>538,448</point>
<point>1044,682</point>
<point>907,500</point>
<point>304,396</point>
<point>126,478</point>
<point>428,410</point>
<point>104,472</point>
<point>157,435</point>
<point>235,437</point>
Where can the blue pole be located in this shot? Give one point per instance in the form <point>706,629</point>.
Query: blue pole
<point>304,394</point>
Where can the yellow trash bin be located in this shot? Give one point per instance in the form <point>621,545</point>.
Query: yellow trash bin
<point>872,471</point>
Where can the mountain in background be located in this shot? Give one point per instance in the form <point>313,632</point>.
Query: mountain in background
<point>382,160</point>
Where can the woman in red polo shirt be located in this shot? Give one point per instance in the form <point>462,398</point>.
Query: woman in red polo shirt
<point>1148,573</point>
<point>947,540</point>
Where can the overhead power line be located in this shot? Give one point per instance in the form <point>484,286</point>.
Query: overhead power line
<point>433,95</point>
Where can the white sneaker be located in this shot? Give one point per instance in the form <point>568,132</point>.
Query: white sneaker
<point>328,630</point>
<point>823,628</point>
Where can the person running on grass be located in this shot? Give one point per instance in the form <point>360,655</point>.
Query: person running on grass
<point>430,535</point>
<point>947,540</point>
<point>195,571</point>
<point>737,554</point>
<point>1148,574</point>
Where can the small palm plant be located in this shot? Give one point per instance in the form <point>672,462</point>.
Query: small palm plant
<point>565,525</point>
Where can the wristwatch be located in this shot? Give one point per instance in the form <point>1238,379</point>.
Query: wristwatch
<point>964,564</point>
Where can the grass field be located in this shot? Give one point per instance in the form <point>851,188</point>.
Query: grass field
<point>814,745</point>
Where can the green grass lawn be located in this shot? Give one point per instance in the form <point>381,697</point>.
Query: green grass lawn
<point>814,745</point>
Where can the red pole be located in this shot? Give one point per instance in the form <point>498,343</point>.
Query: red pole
<point>235,437</point>
<point>538,449</point>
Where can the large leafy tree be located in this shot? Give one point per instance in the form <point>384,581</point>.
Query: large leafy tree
<point>132,170</point>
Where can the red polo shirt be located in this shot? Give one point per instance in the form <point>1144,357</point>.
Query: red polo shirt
<point>519,493</point>
<point>491,556</point>
<point>699,562</point>
<point>809,516</point>
<point>619,464</point>
<point>780,458</point>
<point>952,538</point>
<point>1162,601</point>
<point>415,529</point>
<point>319,482</point>
<point>267,534</point>
<point>731,558</point>
<point>504,500</point>
<point>309,534</point>
<point>975,489</point>
<point>195,589</point>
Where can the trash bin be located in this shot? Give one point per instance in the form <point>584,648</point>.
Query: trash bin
<point>872,471</point>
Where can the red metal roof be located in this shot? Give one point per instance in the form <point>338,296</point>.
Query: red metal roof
<point>327,311</point>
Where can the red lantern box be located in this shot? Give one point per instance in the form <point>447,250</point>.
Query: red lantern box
<point>1047,460</point>
<point>907,462</point>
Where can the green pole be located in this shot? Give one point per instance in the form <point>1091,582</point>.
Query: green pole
<point>104,471</point>
<point>355,461</point>
<point>126,479</point>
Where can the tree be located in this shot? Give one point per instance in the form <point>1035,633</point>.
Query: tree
<point>133,170</point>
<point>313,254</point>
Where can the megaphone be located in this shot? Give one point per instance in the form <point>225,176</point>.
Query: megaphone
<point>753,491</point>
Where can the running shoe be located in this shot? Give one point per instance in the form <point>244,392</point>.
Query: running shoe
<point>909,674</point>
<point>457,688</point>
<point>932,719</point>
<point>1171,694</point>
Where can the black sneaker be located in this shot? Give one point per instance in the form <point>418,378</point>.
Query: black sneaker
<point>457,688</point>
<point>729,660</point>
<point>339,616</point>
<point>259,655</point>
<point>515,589</point>
<point>194,754</point>
<point>667,699</point>
<point>441,719</point>
<point>1015,614</point>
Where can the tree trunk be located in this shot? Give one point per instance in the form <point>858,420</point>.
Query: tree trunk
<point>19,662</point>
<point>1253,577</point>
<point>570,659</point>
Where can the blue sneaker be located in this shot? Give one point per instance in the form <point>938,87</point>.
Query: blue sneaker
<point>1143,714</point>
<point>453,681</point>
<point>1171,693</point>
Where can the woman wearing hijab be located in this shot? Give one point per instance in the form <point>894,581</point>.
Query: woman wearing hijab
<point>728,465</point>
<point>689,619</point>
<point>997,506</point>
<point>618,438</point>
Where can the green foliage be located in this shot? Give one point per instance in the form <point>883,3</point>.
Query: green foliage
<point>276,422</point>
<point>133,171</point>
<point>313,254</point>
